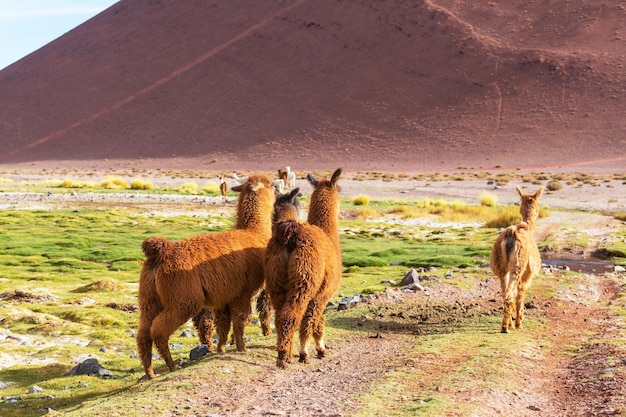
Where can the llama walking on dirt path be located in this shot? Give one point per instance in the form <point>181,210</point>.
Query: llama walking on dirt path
<point>515,259</point>
<point>219,271</point>
<point>303,270</point>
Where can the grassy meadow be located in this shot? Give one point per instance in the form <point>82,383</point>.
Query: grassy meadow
<point>69,282</point>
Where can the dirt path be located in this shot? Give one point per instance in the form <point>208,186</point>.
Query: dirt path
<point>569,369</point>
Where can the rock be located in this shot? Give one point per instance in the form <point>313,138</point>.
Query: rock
<point>349,302</point>
<point>410,277</point>
<point>13,399</point>
<point>34,389</point>
<point>186,333</point>
<point>90,367</point>
<point>415,287</point>
<point>176,346</point>
<point>619,268</point>
<point>198,352</point>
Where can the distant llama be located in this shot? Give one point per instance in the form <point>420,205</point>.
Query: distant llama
<point>515,259</point>
<point>303,270</point>
<point>219,271</point>
<point>291,178</point>
<point>286,206</point>
<point>223,186</point>
<point>282,175</point>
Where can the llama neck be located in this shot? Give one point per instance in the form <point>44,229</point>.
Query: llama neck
<point>256,219</point>
<point>326,219</point>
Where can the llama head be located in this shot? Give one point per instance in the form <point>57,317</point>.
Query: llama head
<point>332,183</point>
<point>324,206</point>
<point>287,205</point>
<point>529,204</point>
<point>256,202</point>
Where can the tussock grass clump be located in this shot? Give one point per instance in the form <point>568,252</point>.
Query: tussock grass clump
<point>366,214</point>
<point>621,216</point>
<point>211,188</point>
<point>138,184</point>
<point>488,199</point>
<point>188,188</point>
<point>505,218</point>
<point>114,183</point>
<point>406,212</point>
<point>361,200</point>
<point>554,185</point>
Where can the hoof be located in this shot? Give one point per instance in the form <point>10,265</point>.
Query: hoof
<point>304,358</point>
<point>504,330</point>
<point>321,354</point>
<point>281,363</point>
<point>148,377</point>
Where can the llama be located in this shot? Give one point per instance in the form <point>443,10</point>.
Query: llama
<point>286,206</point>
<point>291,178</point>
<point>218,271</point>
<point>223,186</point>
<point>279,185</point>
<point>515,259</point>
<point>282,175</point>
<point>303,270</point>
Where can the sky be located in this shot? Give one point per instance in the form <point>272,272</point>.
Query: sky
<point>27,25</point>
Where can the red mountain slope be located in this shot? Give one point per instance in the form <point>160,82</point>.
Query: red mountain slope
<point>368,85</point>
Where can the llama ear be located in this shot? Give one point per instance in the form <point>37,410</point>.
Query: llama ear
<point>519,191</point>
<point>293,195</point>
<point>335,177</point>
<point>312,180</point>
<point>237,188</point>
<point>538,193</point>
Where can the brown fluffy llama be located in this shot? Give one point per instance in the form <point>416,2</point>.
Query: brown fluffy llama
<point>515,259</point>
<point>303,270</point>
<point>285,206</point>
<point>219,271</point>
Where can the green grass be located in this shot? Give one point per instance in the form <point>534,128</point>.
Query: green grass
<point>77,268</point>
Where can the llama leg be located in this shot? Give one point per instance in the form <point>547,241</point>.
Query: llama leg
<point>317,326</point>
<point>144,341</point>
<point>306,330</point>
<point>241,312</point>
<point>264,310</point>
<point>222,323</point>
<point>162,328</point>
<point>510,296</point>
<point>519,301</point>
<point>290,319</point>
<point>506,319</point>
<point>205,326</point>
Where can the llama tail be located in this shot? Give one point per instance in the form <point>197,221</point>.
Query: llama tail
<point>286,233</point>
<point>512,237</point>
<point>156,248</point>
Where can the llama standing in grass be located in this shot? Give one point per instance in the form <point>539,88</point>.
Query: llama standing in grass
<point>219,271</point>
<point>286,206</point>
<point>303,270</point>
<point>515,259</point>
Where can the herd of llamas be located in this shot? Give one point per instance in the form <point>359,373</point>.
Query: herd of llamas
<point>291,266</point>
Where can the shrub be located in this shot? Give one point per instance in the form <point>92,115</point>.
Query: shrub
<point>188,188</point>
<point>488,199</point>
<point>505,218</point>
<point>211,188</point>
<point>621,216</point>
<point>114,183</point>
<point>140,185</point>
<point>406,212</point>
<point>361,200</point>
<point>554,185</point>
<point>367,213</point>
